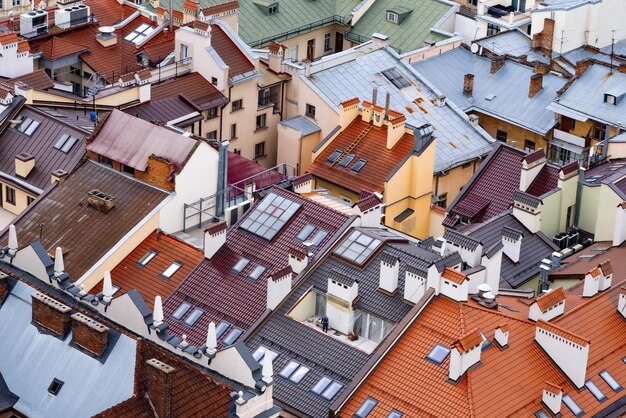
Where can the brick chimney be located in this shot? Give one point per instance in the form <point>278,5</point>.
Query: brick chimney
<point>582,65</point>
<point>541,68</point>
<point>159,377</point>
<point>552,396</point>
<point>468,85</point>
<point>51,314</point>
<point>24,164</point>
<point>278,286</point>
<point>389,268</point>
<point>89,334</point>
<point>298,260</point>
<point>543,40</point>
<point>502,335</point>
<point>464,354</point>
<point>100,201</point>
<point>214,239</point>
<point>536,84</point>
<point>497,62</point>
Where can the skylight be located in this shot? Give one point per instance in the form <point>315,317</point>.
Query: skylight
<point>357,247</point>
<point>221,328</point>
<point>181,311</point>
<point>289,369</point>
<point>347,160</point>
<point>332,390</point>
<point>241,264</point>
<point>306,231</point>
<point>55,386</point>
<point>65,143</point>
<point>232,336</point>
<point>438,354</point>
<point>327,388</point>
<point>595,391</point>
<point>269,216</point>
<point>28,126</point>
<point>366,407</point>
<point>358,165</point>
<point>486,344</point>
<point>395,414</point>
<point>263,351</point>
<point>299,374</point>
<point>195,315</point>
<point>606,376</point>
<point>146,258</point>
<point>321,385</point>
<point>396,78</point>
<point>173,268</point>
<point>541,414</point>
<point>257,272</point>
<point>294,371</point>
<point>140,34</point>
<point>319,237</point>
<point>333,157</point>
<point>573,406</point>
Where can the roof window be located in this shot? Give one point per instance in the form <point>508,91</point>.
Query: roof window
<point>241,264</point>
<point>146,258</point>
<point>346,160</point>
<point>595,391</point>
<point>55,387</point>
<point>221,328</point>
<point>263,351</point>
<point>193,317</point>
<point>358,165</point>
<point>306,231</point>
<point>299,374</point>
<point>541,414</point>
<point>319,237</point>
<point>256,273</point>
<point>397,79</point>
<point>269,216</point>
<point>438,354</point>
<point>181,311</point>
<point>486,344</point>
<point>573,406</point>
<point>169,272</point>
<point>232,336</point>
<point>140,34</point>
<point>327,388</point>
<point>333,157</point>
<point>366,407</point>
<point>65,143</point>
<point>392,17</point>
<point>357,247</point>
<point>606,376</point>
<point>272,9</point>
<point>28,126</point>
<point>395,414</point>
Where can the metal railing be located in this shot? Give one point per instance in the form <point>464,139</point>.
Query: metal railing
<point>295,32</point>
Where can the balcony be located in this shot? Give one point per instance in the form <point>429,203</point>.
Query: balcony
<point>502,13</point>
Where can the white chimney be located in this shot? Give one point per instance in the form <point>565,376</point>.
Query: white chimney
<point>211,340</point>
<point>368,112</point>
<point>370,210</point>
<point>531,166</point>
<point>303,184</point>
<point>395,128</point>
<point>492,261</point>
<point>348,111</point>
<point>414,284</point>
<point>107,287</point>
<point>379,40</point>
<point>502,335</point>
<point>569,351</point>
<point>278,286</point>
<point>339,309</point>
<point>268,369</point>
<point>592,282</point>
<point>552,395</point>
<point>607,274</point>
<point>59,266</point>
<point>527,210</point>
<point>157,314</point>
<point>214,239</point>
<point>619,235</point>
<point>389,268</point>
<point>454,284</point>
<point>548,306</point>
<point>512,243</point>
<point>12,241</point>
<point>464,354</point>
<point>298,260</point>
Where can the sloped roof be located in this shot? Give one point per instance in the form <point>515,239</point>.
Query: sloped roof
<point>193,87</point>
<point>131,141</point>
<point>58,47</point>
<point>238,63</point>
<point>37,79</point>
<point>550,299</point>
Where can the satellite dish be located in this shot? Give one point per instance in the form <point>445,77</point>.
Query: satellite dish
<point>474,48</point>
<point>592,151</point>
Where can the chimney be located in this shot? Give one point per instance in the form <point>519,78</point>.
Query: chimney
<point>374,95</point>
<point>298,260</point>
<point>368,112</point>
<point>541,68</point>
<point>622,68</point>
<point>211,341</point>
<point>543,40</point>
<point>24,164</point>
<point>107,36</point>
<point>379,41</point>
<point>395,128</point>
<point>531,166</point>
<point>552,395</point>
<point>214,239</point>
<point>387,105</point>
<point>569,351</point>
<point>512,243</point>
<point>582,65</point>
<point>341,315</point>
<point>414,283</point>
<point>619,234</point>
<point>548,306</point>
<point>370,210</point>
<point>348,111</point>
<point>592,282</point>
<point>107,288</point>
<point>389,269</point>
<point>502,335</point>
<point>378,115</point>
<point>157,312</point>
<point>89,334</point>
<point>536,84</point>
<point>621,302</point>
<point>527,210</point>
<point>497,61</point>
<point>473,119</point>
<point>421,136</point>
<point>464,354</point>
<point>4,287</point>
<point>276,54</point>
<point>268,370</point>
<point>468,85</point>
<point>12,241</point>
<point>159,377</point>
<point>303,184</point>
<point>607,273</point>
<point>51,314</point>
<point>556,260</point>
<point>278,286</point>
<point>58,176</point>
<point>100,201</point>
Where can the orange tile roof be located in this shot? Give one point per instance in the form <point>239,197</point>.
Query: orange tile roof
<point>595,272</point>
<point>37,80</point>
<point>147,280</point>
<point>453,275</point>
<point>469,341</point>
<point>504,327</point>
<point>238,63</point>
<point>23,46</point>
<point>575,267</point>
<point>197,24</point>
<point>221,8</point>
<point>8,38</point>
<point>178,15</point>
<point>350,102</point>
<point>190,5</point>
<point>58,47</point>
<point>161,11</point>
<point>561,332</point>
<point>552,388</point>
<point>606,267</point>
<point>548,300</point>
<point>381,162</point>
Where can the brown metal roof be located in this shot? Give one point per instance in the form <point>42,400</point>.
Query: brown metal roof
<point>166,110</point>
<point>37,80</point>
<point>62,217</point>
<point>193,87</point>
<point>238,63</point>
<point>131,141</point>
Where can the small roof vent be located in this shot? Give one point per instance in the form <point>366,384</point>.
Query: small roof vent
<point>100,201</point>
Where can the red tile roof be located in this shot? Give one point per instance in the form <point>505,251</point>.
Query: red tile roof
<point>548,300</point>
<point>58,47</point>
<point>23,46</point>
<point>606,267</point>
<point>238,63</point>
<point>453,275</point>
<point>551,387</point>
<point>562,332</point>
<point>8,38</point>
<point>381,162</point>
<point>535,156</point>
<point>595,272</point>
<point>570,168</point>
<point>37,80</point>
<point>546,181</point>
<point>221,8</point>
<point>146,279</point>
<point>240,168</point>
<point>193,87</point>
<point>469,341</point>
<point>368,202</point>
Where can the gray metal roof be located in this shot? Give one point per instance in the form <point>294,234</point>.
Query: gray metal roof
<point>302,124</point>
<point>509,88</point>
<point>584,99</point>
<point>526,199</point>
<point>564,4</point>
<point>514,43</point>
<point>30,360</point>
<point>343,79</point>
<point>461,240</point>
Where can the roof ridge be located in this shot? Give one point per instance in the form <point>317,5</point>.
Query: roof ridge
<point>588,301</point>
<point>573,336</point>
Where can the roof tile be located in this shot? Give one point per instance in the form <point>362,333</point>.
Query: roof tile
<point>548,300</point>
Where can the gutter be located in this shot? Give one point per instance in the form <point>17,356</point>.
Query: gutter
<point>21,183</point>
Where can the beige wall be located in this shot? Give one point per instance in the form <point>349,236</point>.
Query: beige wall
<point>318,35</point>
<point>597,213</point>
<point>454,180</point>
<point>337,191</point>
<point>21,199</point>
<point>294,149</point>
<point>514,132</point>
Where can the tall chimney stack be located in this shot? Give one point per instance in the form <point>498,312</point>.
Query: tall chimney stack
<point>497,61</point>
<point>536,84</point>
<point>159,378</point>
<point>387,104</point>
<point>468,85</point>
<point>374,95</point>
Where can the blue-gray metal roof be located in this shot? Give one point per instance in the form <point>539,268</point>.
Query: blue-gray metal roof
<point>551,5</point>
<point>508,86</point>
<point>514,43</point>
<point>619,48</point>
<point>302,124</point>
<point>30,360</point>
<point>584,99</point>
<point>457,141</point>
<point>582,53</point>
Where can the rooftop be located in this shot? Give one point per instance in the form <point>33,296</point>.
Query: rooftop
<point>37,79</point>
<point>611,173</point>
<point>192,88</point>
<point>514,43</point>
<point>302,124</point>
<point>582,262</point>
<point>230,51</point>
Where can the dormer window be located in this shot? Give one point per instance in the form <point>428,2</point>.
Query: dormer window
<point>610,99</point>
<point>272,9</point>
<point>392,17</point>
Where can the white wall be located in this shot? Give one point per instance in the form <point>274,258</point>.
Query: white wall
<point>569,356</point>
<point>535,313</point>
<point>14,64</point>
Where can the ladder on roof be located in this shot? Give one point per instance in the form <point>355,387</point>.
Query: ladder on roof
<point>353,144</point>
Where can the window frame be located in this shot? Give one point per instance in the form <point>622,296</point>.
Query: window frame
<point>175,265</point>
<point>392,17</point>
<point>259,146</point>
<point>236,105</point>
<point>10,195</point>
<point>261,121</point>
<point>328,41</point>
<point>149,255</point>
<point>310,110</point>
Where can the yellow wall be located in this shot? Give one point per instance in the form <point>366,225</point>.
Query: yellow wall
<point>454,180</point>
<point>584,129</point>
<point>597,214</point>
<point>514,132</point>
<point>21,199</point>
<point>336,191</point>
<point>318,35</point>
<point>112,100</point>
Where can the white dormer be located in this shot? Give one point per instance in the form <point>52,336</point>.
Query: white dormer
<point>454,284</point>
<point>214,239</point>
<point>414,284</point>
<point>389,268</point>
<point>298,260</point>
<point>592,282</point>
<point>548,306</point>
<point>464,354</point>
<point>552,395</point>
<point>370,210</point>
<point>607,275</point>
<point>512,243</point>
<point>569,351</point>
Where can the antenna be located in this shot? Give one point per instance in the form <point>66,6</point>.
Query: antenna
<point>612,46</point>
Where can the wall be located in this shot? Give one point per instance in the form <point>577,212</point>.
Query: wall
<point>12,63</point>
<point>302,40</point>
<point>467,27</point>
<point>492,125</point>
<point>21,199</point>
<point>337,191</point>
<point>113,100</point>
<point>597,218</point>
<point>294,149</point>
<point>452,182</point>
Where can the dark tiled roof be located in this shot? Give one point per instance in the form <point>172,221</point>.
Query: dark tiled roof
<point>40,145</point>
<point>165,110</point>
<point>535,247</point>
<point>546,181</point>
<point>535,156</point>
<point>225,295</point>
<point>512,233</point>
<point>368,202</point>
<point>238,63</point>
<point>450,260</point>
<point>84,233</point>
<point>570,168</point>
<point>128,274</point>
<point>193,87</point>
<point>461,240</point>
<point>526,199</point>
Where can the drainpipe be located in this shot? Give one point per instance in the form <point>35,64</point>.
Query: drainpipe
<point>222,178</point>
<point>579,194</point>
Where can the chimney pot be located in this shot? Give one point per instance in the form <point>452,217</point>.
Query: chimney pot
<point>157,314</point>
<point>582,65</point>
<point>389,270</point>
<point>468,85</point>
<point>536,84</point>
<point>59,266</point>
<point>552,396</point>
<point>51,314</point>
<point>214,238</point>
<point>107,287</point>
<point>211,340</point>
<point>100,201</point>
<point>502,335</point>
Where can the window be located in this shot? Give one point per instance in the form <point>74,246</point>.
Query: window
<point>128,170</point>
<point>541,414</point>
<point>395,414</point>
<point>332,390</point>
<point>305,232</point>
<point>28,126</point>
<point>319,237</point>
<point>29,200</point>
<point>233,131</point>
<point>237,105</point>
<point>261,121</point>
<point>392,17</point>
<point>529,146</point>
<point>169,272</point>
<point>140,34</point>
<point>272,9</point>
<point>442,200</point>
<point>193,317</point>
<point>501,136</point>
<point>65,143</point>
<point>241,264</point>
<point>221,328</point>
<point>105,161</point>
<point>256,273</point>
<point>147,257</point>
<point>357,247</point>
<point>573,406</point>
<point>346,160</point>
<point>567,124</point>
<point>599,130</point>
<point>610,99</point>
<point>438,354</point>
<point>232,336</point>
<point>327,42</point>
<point>214,81</point>
<point>55,387</point>
<point>358,165</point>
<point>212,135</point>
<point>264,97</point>
<point>181,310</point>
<point>334,156</point>
<point>310,110</point>
<point>492,29</point>
<point>345,198</point>
<point>16,3</point>
<point>10,192</point>
<point>321,385</point>
<point>268,217</point>
<point>472,2</point>
<point>262,351</point>
<point>294,53</point>
<point>366,407</point>
<point>606,376</point>
<point>299,374</point>
<point>595,391</point>
<point>212,113</point>
<point>294,371</point>
<point>259,149</point>
<point>327,388</point>
<point>396,78</point>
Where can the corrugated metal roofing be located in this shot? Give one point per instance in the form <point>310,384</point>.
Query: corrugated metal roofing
<point>514,43</point>
<point>30,360</point>
<point>302,124</point>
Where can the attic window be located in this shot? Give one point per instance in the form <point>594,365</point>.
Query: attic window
<point>193,317</point>
<point>395,414</point>
<point>396,78</point>
<point>232,336</point>
<point>181,311</point>
<point>55,387</point>
<point>595,391</point>
<point>366,407</point>
<point>319,237</point>
<point>358,165</point>
<point>269,216</point>
<point>263,351</point>
<point>272,9</point>
<point>146,258</point>
<point>357,247</point>
<point>221,328</point>
<point>606,376</point>
<point>256,273</point>
<point>169,272</point>
<point>294,371</point>
<point>486,344</point>
<point>610,99</point>
<point>140,34</point>
<point>333,157</point>
<point>65,143</point>
<point>541,414</point>
<point>241,264</point>
<point>392,17</point>
<point>327,388</point>
<point>306,231</point>
<point>438,354</point>
<point>346,161</point>
<point>28,126</point>
<point>573,406</point>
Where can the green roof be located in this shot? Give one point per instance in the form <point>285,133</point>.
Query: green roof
<point>409,35</point>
